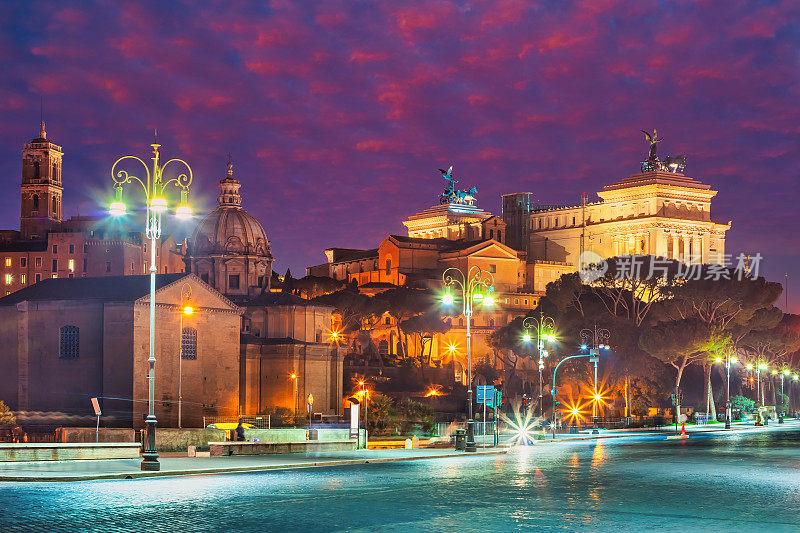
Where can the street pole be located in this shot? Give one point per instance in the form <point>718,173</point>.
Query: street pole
<point>180,366</point>
<point>154,188</point>
<point>545,327</point>
<point>471,284</point>
<point>780,413</point>
<point>728,396</point>
<point>595,340</point>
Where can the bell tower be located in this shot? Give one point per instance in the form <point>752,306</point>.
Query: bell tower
<point>41,187</point>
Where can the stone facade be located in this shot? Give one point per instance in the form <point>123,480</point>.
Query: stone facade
<point>105,352</point>
<point>664,214</point>
<point>284,335</point>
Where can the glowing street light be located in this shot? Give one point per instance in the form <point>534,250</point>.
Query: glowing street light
<point>595,339</point>
<point>544,326</point>
<point>156,204</point>
<point>472,286</point>
<point>186,310</point>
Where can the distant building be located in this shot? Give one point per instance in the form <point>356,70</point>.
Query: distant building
<point>229,249</point>
<point>281,334</point>
<point>47,246</point>
<point>459,235</point>
<point>68,340</point>
<point>665,214</point>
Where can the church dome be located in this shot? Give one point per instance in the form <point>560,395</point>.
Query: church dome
<point>229,229</point>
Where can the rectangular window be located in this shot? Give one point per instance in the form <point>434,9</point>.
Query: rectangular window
<point>55,275</point>
<point>72,248</point>
<point>71,275</point>
<point>55,266</point>
<point>71,265</point>
<point>23,262</point>
<point>55,248</point>
<point>70,342</point>
<point>23,278</point>
<point>84,265</point>
<point>233,281</point>
<point>8,261</point>
<point>492,268</point>
<point>38,278</point>
<point>38,262</point>
<point>189,343</point>
<point>108,266</point>
<point>85,248</point>
<point>9,279</point>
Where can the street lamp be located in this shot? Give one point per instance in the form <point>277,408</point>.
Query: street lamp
<point>780,414</point>
<point>294,379</point>
<point>759,368</point>
<point>472,285</point>
<point>185,310</point>
<point>595,340</point>
<point>155,205</point>
<point>364,398</point>
<point>729,360</point>
<point>544,326</point>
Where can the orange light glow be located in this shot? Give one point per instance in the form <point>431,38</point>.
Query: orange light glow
<point>293,376</point>
<point>188,310</point>
<point>435,390</point>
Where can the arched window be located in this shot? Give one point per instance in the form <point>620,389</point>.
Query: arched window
<point>55,171</point>
<point>189,343</point>
<point>70,342</point>
<point>36,170</point>
<point>383,347</point>
<point>499,236</point>
<point>35,202</point>
<point>54,205</point>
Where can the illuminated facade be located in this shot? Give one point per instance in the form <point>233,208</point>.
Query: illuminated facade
<point>659,213</point>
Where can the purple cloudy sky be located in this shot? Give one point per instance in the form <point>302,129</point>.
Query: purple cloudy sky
<point>338,114</point>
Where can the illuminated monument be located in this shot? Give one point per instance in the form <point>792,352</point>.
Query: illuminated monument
<point>659,211</point>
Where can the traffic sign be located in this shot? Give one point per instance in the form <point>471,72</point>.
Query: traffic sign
<point>486,394</point>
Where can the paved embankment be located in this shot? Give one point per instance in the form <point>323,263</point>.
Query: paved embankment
<point>187,466</point>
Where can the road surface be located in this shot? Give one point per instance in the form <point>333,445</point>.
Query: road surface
<point>749,481</point>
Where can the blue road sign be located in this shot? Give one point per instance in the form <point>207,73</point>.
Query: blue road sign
<point>486,394</point>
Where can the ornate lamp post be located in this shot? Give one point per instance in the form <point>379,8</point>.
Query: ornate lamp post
<point>156,204</point>
<point>594,340</point>
<point>545,328</point>
<point>472,286</point>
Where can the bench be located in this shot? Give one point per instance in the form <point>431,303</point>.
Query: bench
<point>218,449</point>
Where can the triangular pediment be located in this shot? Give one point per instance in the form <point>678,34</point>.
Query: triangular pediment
<point>190,287</point>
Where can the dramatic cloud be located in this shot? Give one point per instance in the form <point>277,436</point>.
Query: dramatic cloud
<point>337,114</point>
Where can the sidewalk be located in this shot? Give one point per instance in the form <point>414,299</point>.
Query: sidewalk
<point>789,423</point>
<point>187,466</point>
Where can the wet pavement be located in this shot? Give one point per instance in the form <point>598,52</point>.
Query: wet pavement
<point>744,481</point>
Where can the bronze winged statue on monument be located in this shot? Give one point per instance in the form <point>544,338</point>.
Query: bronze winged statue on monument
<point>674,164</point>
<point>453,196</point>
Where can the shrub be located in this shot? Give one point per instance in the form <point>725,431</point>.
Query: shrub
<point>7,417</point>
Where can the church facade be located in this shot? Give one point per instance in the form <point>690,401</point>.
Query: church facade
<point>281,335</point>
